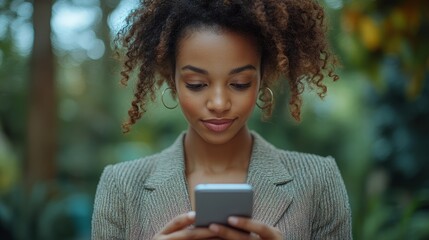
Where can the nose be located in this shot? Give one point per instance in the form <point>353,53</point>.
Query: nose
<point>219,100</point>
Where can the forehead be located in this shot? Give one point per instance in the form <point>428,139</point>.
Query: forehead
<point>213,30</point>
<point>215,46</point>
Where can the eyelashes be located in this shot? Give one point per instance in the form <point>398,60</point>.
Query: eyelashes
<point>200,86</point>
<point>196,86</point>
<point>241,86</point>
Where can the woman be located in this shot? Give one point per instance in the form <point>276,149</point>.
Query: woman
<point>218,58</point>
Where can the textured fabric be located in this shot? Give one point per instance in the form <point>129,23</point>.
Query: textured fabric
<point>301,194</point>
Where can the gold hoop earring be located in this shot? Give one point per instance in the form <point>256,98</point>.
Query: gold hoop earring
<point>261,95</point>
<point>162,99</point>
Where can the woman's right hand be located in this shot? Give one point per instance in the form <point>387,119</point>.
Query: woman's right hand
<point>180,228</point>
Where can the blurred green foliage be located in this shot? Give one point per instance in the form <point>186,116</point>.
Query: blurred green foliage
<point>374,121</point>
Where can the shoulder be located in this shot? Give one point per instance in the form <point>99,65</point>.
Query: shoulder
<point>318,176</point>
<point>127,174</point>
<point>293,160</point>
<point>302,166</point>
<point>136,171</point>
<point>307,162</point>
<point>132,169</point>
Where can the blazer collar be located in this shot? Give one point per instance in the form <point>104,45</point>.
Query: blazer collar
<point>167,195</point>
<point>170,164</point>
<point>267,176</point>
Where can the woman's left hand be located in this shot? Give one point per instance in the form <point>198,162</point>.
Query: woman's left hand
<point>256,229</point>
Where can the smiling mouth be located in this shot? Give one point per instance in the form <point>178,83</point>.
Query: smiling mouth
<point>218,125</point>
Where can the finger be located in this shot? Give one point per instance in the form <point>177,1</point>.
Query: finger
<point>192,233</point>
<point>179,222</point>
<point>262,230</point>
<point>229,233</point>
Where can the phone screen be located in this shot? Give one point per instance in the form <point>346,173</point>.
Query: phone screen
<point>214,203</point>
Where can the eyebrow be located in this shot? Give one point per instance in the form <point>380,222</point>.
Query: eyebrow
<point>233,71</point>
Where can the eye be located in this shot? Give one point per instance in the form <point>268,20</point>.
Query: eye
<point>195,86</point>
<point>241,86</point>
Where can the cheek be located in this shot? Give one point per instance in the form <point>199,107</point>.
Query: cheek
<point>189,105</point>
<point>247,102</point>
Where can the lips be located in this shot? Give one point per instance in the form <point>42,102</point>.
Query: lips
<point>218,125</point>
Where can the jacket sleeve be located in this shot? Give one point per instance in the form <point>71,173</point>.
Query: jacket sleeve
<point>333,216</point>
<point>108,218</point>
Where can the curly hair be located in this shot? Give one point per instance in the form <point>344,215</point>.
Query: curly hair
<point>291,35</point>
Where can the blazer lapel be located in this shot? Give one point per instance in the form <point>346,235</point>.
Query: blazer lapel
<point>166,193</point>
<point>269,179</point>
<point>167,188</point>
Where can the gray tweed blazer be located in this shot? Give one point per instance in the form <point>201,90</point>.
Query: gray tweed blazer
<point>301,194</point>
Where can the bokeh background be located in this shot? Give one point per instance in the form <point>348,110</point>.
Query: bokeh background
<point>61,107</point>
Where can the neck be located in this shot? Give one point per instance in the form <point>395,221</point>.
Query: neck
<point>217,158</point>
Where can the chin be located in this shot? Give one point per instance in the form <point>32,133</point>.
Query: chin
<point>218,138</point>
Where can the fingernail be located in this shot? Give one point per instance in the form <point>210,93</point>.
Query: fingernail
<point>214,228</point>
<point>191,214</point>
<point>233,220</point>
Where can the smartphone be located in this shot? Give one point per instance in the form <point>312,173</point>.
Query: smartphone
<point>214,203</point>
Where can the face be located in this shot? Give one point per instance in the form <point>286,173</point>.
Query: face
<point>217,78</point>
